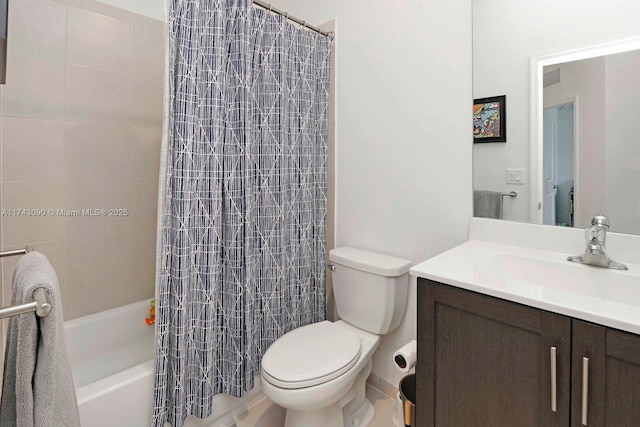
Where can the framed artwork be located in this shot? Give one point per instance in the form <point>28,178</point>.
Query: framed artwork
<point>490,119</point>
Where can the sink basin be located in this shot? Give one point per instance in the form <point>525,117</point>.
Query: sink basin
<point>527,264</point>
<point>538,278</point>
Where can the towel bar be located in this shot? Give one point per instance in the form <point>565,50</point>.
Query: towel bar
<point>23,251</point>
<point>41,306</point>
<point>511,194</point>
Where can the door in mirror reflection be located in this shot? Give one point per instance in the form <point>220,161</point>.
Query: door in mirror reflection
<point>559,140</point>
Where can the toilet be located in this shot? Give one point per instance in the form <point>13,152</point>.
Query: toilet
<point>318,372</point>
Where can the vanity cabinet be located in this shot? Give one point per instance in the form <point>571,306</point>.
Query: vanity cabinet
<point>488,362</point>
<point>613,359</point>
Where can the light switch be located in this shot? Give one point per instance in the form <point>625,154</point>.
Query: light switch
<point>519,176</point>
<point>515,176</point>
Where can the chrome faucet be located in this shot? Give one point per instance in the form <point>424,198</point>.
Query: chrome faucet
<point>596,252</point>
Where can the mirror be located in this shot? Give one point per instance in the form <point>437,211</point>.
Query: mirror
<point>585,52</point>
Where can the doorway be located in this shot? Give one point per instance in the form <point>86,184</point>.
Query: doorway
<point>559,168</point>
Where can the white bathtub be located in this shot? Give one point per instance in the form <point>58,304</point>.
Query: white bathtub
<point>112,360</point>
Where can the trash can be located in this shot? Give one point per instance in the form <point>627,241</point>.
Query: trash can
<point>408,398</point>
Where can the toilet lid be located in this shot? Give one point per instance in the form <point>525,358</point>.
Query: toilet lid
<point>310,355</point>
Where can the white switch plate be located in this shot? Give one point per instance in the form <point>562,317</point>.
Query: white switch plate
<point>515,176</point>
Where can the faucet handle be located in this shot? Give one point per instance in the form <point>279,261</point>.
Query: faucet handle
<point>596,233</point>
<point>600,220</point>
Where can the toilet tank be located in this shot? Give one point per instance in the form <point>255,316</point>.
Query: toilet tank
<point>370,289</point>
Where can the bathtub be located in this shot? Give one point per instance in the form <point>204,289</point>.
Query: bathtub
<point>112,361</point>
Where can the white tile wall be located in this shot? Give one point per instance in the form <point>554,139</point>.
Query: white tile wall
<point>80,128</point>
<point>97,95</point>
<point>99,41</point>
<point>32,149</point>
<point>145,152</point>
<point>37,28</point>
<point>146,102</point>
<point>34,88</point>
<point>147,59</point>
<point>97,150</point>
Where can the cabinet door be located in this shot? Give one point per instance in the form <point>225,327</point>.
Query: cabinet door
<point>605,377</point>
<point>487,362</point>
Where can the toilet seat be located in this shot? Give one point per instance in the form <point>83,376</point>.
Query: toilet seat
<point>311,355</point>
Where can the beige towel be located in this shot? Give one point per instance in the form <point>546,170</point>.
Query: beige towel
<point>38,388</point>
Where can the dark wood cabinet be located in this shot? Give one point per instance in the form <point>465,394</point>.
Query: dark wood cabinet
<point>488,362</point>
<point>605,366</point>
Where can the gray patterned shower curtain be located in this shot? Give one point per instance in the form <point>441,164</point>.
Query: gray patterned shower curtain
<point>243,203</point>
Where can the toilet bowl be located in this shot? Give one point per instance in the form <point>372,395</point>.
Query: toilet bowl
<point>316,397</point>
<point>318,372</point>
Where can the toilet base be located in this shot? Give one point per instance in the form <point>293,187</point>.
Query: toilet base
<point>363,417</point>
<point>329,416</point>
<point>359,412</point>
<point>352,410</point>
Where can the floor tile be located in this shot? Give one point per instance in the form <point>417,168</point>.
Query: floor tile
<point>268,414</point>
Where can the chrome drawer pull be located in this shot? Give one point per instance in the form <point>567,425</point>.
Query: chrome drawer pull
<point>554,380</point>
<point>585,389</point>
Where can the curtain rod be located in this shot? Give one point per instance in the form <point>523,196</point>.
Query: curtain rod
<point>270,8</point>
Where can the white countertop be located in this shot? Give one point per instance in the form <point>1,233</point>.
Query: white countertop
<point>539,277</point>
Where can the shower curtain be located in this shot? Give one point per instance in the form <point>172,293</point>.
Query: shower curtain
<point>243,200</point>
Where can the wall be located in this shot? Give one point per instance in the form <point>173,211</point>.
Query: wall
<point>403,131</point>
<point>501,62</point>
<point>80,129</point>
<point>152,8</point>
<point>622,203</point>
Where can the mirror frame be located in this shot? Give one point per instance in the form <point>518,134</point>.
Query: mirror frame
<point>536,122</point>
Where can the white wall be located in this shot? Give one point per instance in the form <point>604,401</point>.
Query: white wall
<point>403,131</point>
<point>506,34</point>
<point>622,146</point>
